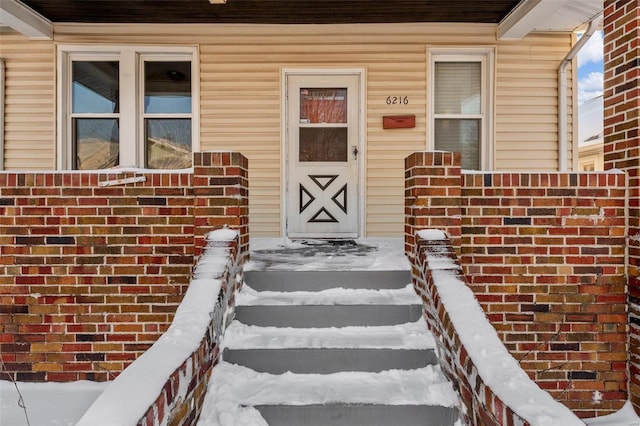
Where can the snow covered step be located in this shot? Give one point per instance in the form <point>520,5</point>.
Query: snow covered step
<point>329,347</point>
<point>411,335</point>
<point>322,280</point>
<point>325,361</point>
<point>303,316</point>
<point>235,392</point>
<point>332,296</point>
<point>357,414</point>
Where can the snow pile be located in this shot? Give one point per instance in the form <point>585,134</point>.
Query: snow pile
<point>129,397</point>
<point>233,388</point>
<point>432,234</point>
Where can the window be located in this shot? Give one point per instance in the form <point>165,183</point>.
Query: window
<point>95,134</point>
<point>127,107</point>
<point>460,105</point>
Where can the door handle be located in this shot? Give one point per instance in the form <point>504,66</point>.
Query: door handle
<point>354,150</point>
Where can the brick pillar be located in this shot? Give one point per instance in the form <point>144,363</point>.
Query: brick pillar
<point>221,195</point>
<point>432,196</point>
<point>622,144</point>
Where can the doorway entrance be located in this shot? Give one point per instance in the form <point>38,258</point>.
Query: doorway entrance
<point>323,155</point>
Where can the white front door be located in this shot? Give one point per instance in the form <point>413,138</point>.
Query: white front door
<point>323,134</point>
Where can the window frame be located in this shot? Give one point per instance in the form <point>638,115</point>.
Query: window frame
<point>486,57</point>
<point>131,100</point>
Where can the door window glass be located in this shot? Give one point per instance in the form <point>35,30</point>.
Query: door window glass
<point>323,144</point>
<point>323,133</point>
<point>323,105</point>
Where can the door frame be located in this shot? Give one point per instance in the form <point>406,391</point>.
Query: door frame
<point>284,139</point>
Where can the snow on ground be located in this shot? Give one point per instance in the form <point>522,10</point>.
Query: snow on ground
<point>48,404</point>
<point>367,254</point>
<point>413,335</point>
<point>624,417</point>
<point>232,388</point>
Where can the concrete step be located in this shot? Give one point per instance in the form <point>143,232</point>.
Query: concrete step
<point>368,361</point>
<point>303,316</point>
<point>330,360</point>
<point>322,280</point>
<point>356,414</point>
<point>349,396</point>
<point>332,296</point>
<point>411,335</point>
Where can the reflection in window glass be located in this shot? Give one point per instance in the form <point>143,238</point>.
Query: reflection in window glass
<point>95,87</point>
<point>457,87</point>
<point>168,143</point>
<point>456,135</point>
<point>323,105</point>
<point>167,87</point>
<point>323,144</point>
<point>95,143</point>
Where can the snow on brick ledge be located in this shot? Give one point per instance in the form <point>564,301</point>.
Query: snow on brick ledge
<point>493,387</point>
<point>169,380</point>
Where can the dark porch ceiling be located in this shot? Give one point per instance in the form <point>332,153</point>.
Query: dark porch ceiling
<point>272,11</point>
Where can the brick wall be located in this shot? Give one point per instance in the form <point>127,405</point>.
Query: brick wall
<point>622,144</point>
<point>544,254</point>
<point>93,265</point>
<point>175,390</point>
<point>491,384</point>
<point>432,195</point>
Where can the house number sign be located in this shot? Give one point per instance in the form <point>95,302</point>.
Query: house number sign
<point>397,100</point>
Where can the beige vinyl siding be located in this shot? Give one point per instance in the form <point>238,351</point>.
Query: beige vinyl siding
<point>245,106</point>
<point>241,68</point>
<point>29,102</point>
<point>527,101</point>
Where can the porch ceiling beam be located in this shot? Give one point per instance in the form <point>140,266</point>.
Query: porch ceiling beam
<point>525,17</point>
<point>16,15</point>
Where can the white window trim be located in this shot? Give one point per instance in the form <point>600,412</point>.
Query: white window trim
<point>130,105</point>
<point>486,57</point>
